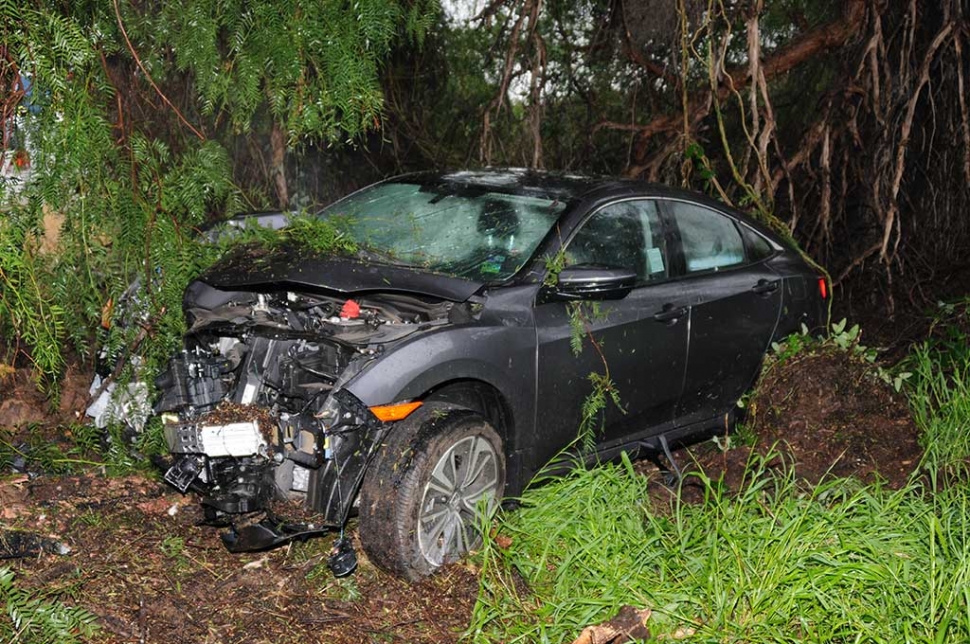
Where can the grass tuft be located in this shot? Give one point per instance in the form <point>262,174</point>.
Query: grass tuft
<point>940,399</point>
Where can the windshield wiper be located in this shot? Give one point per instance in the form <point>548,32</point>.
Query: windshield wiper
<point>371,255</point>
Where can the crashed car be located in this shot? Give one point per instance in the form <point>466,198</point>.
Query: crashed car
<point>436,371</point>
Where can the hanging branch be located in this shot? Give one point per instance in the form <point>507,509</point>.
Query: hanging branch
<point>13,92</point>
<point>148,76</point>
<point>536,81</point>
<point>891,218</point>
<point>964,112</point>
<point>485,146</point>
<point>807,47</point>
<point>527,23</point>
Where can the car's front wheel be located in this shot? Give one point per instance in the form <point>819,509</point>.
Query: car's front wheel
<point>421,497</point>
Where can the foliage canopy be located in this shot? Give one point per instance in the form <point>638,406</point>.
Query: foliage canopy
<point>118,116</point>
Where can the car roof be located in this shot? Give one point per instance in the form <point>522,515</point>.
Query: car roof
<point>556,186</point>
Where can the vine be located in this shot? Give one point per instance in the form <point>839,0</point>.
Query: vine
<point>581,315</point>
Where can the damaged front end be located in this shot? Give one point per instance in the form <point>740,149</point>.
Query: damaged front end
<point>255,411</point>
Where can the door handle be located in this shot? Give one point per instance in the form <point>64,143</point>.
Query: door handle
<point>670,313</point>
<point>765,287</point>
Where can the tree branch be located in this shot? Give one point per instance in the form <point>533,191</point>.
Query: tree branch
<point>802,49</point>
<point>148,76</point>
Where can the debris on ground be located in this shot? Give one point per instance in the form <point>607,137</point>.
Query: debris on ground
<point>154,575</point>
<point>628,625</point>
<point>15,544</point>
<point>143,563</point>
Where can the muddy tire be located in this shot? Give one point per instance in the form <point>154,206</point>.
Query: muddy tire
<point>419,498</point>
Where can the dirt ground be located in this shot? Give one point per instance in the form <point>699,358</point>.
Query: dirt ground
<point>141,562</point>
<point>823,415</point>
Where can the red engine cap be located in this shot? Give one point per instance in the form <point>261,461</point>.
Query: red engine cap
<point>350,310</point>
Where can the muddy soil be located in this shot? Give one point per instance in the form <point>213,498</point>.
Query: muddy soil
<point>821,415</point>
<point>142,563</point>
<point>140,560</point>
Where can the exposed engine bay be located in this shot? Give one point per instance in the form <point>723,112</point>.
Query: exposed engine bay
<point>253,406</point>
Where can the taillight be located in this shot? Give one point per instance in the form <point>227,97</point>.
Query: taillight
<point>823,288</point>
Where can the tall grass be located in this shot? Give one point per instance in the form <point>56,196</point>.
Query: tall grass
<point>777,561</point>
<point>940,399</point>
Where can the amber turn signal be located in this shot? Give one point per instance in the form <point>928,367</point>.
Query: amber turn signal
<point>399,411</point>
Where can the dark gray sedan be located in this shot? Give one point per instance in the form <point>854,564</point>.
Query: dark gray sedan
<point>436,371</point>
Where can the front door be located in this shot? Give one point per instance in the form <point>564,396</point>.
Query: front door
<point>640,341</point>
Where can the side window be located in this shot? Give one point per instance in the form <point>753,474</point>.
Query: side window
<point>758,246</point>
<point>622,235</point>
<point>710,240</point>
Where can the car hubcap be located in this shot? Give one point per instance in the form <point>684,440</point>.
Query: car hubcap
<point>466,475</point>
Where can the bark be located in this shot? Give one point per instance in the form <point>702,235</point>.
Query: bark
<point>823,38</point>
<point>278,165</point>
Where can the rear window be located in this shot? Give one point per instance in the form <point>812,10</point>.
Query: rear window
<point>758,247</point>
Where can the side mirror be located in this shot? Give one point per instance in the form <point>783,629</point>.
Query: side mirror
<point>587,282</point>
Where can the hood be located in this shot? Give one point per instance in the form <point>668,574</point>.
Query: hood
<point>252,268</point>
<point>274,220</point>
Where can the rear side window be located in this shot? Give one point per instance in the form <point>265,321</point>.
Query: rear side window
<point>758,247</point>
<point>710,241</point>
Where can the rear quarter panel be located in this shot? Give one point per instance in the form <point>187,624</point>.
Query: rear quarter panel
<point>802,302</point>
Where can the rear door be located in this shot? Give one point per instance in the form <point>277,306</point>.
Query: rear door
<point>645,356</point>
<point>735,300</point>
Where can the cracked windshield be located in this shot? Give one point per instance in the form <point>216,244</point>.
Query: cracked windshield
<point>469,233</point>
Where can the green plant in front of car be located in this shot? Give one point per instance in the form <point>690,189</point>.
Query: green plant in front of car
<point>40,453</point>
<point>554,265</point>
<point>79,447</point>
<point>793,345</point>
<point>25,307</point>
<point>318,235</point>
<point>773,560</point>
<point>842,338</point>
<point>314,234</point>
<point>604,390</point>
<point>847,339</point>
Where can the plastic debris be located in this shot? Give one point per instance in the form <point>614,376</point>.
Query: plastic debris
<point>343,559</point>
<point>129,405</point>
<point>15,544</point>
